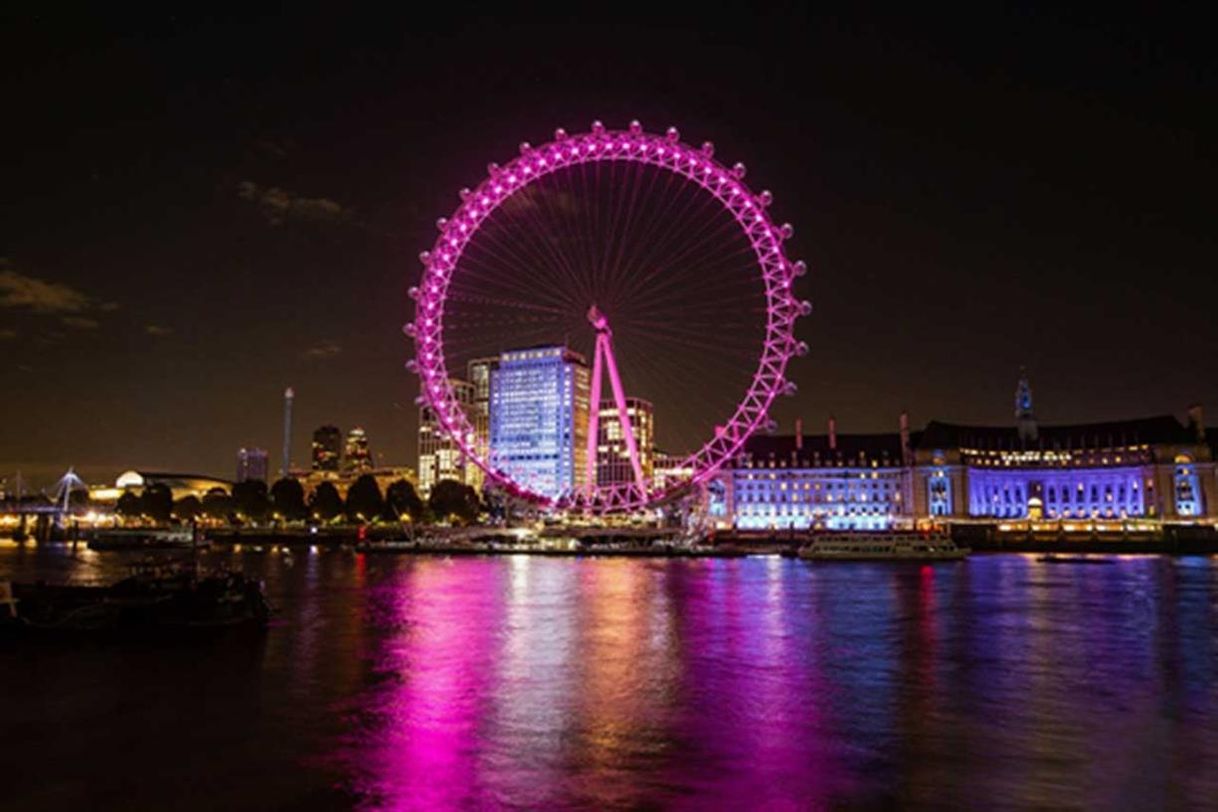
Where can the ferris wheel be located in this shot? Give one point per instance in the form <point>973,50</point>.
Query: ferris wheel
<point>649,276</point>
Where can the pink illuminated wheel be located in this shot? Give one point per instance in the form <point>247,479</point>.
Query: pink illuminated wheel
<point>614,171</point>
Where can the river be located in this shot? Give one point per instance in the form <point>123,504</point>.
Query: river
<point>525,682</point>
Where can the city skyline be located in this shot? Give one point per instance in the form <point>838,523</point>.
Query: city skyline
<point>772,406</point>
<point>946,251</point>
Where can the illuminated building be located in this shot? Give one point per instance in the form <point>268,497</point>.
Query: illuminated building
<point>179,485</point>
<point>613,464</point>
<point>669,470</point>
<point>479,373</point>
<point>439,456</point>
<point>1155,468</point>
<point>1149,468</point>
<point>828,481</point>
<point>1132,473</point>
<point>252,463</point>
<point>539,418</point>
<point>327,449</point>
<point>357,458</point>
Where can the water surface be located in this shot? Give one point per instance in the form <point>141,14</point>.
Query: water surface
<point>429,682</point>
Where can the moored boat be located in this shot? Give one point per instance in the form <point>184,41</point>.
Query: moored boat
<point>157,597</point>
<point>896,546</point>
<point>146,539</point>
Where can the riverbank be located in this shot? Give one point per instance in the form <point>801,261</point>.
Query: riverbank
<point>1170,540</point>
<point>649,543</point>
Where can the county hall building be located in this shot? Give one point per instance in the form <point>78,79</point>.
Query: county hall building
<point>1132,473</point>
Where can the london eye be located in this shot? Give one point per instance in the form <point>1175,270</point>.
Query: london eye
<point>648,277</point>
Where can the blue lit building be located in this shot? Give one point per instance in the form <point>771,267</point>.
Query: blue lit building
<point>1154,468</point>
<point>827,481</point>
<point>539,418</point>
<point>1145,471</point>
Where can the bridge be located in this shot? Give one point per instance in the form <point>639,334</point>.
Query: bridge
<point>53,512</point>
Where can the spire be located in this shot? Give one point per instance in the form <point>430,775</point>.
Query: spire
<point>1025,419</point>
<point>289,395</point>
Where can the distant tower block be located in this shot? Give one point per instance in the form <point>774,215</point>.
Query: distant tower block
<point>288,395</point>
<point>327,449</point>
<point>252,463</point>
<point>357,458</point>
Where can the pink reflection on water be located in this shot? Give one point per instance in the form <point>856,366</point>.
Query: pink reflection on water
<point>415,749</point>
<point>601,683</point>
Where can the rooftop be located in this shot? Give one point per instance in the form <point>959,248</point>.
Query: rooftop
<point>814,449</point>
<point>1160,429</point>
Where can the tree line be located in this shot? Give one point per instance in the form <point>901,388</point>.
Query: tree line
<point>285,501</point>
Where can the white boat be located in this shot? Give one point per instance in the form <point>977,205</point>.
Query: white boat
<point>898,546</point>
<point>172,538</point>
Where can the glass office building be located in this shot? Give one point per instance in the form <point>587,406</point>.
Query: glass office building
<point>539,418</point>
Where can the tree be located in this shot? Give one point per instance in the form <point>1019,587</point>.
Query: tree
<point>217,504</point>
<point>364,499</point>
<point>129,505</point>
<point>187,508</point>
<point>251,499</point>
<point>452,500</point>
<point>287,497</point>
<point>325,502</point>
<point>402,500</point>
<point>157,502</point>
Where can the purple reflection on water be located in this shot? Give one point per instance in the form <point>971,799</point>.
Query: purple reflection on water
<point>415,733</point>
<point>755,683</point>
<point>409,682</point>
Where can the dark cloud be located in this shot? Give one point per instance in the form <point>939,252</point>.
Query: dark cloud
<point>157,330</point>
<point>322,351</point>
<point>272,147</point>
<point>279,205</point>
<point>50,338</point>
<point>80,322</point>
<point>19,291</point>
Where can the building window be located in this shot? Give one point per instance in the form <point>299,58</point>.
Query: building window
<point>1187,487</point>
<point>939,494</point>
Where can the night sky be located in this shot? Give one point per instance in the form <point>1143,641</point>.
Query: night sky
<point>200,211</point>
